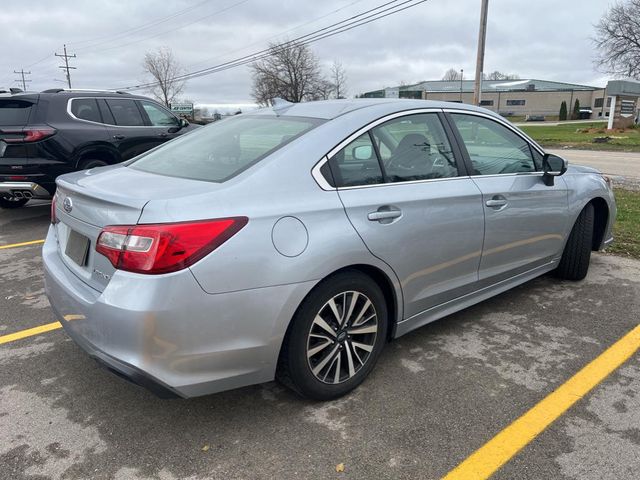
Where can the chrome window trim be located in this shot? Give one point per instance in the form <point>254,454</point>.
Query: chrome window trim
<point>406,182</point>
<point>318,177</point>
<point>108,124</point>
<point>377,122</point>
<point>324,184</point>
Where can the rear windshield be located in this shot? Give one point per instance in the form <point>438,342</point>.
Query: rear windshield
<point>220,151</point>
<point>14,112</point>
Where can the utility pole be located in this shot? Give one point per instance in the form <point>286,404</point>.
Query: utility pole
<point>66,64</point>
<point>23,80</point>
<point>482,36</point>
<point>461,78</point>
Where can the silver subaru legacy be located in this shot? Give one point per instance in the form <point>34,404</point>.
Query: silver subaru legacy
<point>296,241</point>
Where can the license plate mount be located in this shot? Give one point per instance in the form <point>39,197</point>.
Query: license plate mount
<point>77,248</point>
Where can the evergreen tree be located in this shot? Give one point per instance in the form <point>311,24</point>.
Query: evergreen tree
<point>563,111</point>
<point>575,115</point>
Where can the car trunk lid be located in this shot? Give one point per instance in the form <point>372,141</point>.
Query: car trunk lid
<point>89,200</point>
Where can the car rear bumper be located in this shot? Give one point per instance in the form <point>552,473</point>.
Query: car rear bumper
<point>24,189</point>
<point>166,333</point>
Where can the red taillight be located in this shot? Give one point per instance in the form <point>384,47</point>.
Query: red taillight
<point>54,219</point>
<point>164,247</point>
<point>30,134</point>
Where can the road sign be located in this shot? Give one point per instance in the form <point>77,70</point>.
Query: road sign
<point>182,108</point>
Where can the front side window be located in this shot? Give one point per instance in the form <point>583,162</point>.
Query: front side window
<point>125,113</point>
<point>356,164</point>
<point>414,147</point>
<point>86,109</point>
<point>223,149</point>
<point>492,147</point>
<point>158,116</point>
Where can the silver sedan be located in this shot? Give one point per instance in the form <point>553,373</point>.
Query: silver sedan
<point>296,241</point>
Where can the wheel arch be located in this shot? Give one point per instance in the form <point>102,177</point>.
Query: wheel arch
<point>601,220</point>
<point>390,290</point>
<point>97,152</point>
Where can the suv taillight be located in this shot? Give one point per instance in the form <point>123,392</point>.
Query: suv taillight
<point>29,134</point>
<point>164,247</point>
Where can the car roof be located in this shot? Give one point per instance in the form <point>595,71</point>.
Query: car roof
<point>330,109</point>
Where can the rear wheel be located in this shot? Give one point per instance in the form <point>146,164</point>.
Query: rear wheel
<point>12,202</point>
<point>92,163</point>
<point>574,263</point>
<point>335,338</point>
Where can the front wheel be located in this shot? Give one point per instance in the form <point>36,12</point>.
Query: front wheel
<point>12,202</point>
<point>576,256</point>
<point>335,338</point>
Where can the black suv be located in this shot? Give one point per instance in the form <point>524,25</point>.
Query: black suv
<point>43,135</point>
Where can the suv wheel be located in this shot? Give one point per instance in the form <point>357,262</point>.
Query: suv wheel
<point>92,163</point>
<point>12,202</point>
<point>335,338</point>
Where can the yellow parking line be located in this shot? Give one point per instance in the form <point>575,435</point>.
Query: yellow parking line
<point>485,461</point>
<point>22,244</point>
<point>12,337</point>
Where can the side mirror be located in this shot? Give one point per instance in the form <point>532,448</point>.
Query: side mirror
<point>553,166</point>
<point>184,123</point>
<point>363,152</point>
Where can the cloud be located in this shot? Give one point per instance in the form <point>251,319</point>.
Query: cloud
<point>543,39</point>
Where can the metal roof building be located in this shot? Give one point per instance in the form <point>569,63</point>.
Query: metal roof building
<point>507,97</point>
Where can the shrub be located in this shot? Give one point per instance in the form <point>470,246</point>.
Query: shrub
<point>563,111</point>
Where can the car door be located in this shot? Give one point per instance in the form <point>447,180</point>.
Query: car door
<point>129,133</point>
<point>413,205</point>
<point>524,218</point>
<point>163,125</point>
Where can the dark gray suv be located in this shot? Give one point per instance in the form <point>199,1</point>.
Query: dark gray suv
<point>46,134</point>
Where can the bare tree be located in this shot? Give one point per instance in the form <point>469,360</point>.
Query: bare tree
<point>451,75</point>
<point>496,75</point>
<point>164,68</point>
<point>290,71</point>
<point>618,40</point>
<point>339,79</point>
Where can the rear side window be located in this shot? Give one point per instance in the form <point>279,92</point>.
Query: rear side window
<point>86,109</point>
<point>125,113</point>
<point>356,164</point>
<point>14,112</point>
<point>224,149</point>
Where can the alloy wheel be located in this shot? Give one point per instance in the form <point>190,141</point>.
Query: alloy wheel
<point>342,337</point>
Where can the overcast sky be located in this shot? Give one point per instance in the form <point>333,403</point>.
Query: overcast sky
<point>545,39</point>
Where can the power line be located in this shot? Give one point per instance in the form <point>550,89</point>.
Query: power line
<point>217,12</point>
<point>350,23</point>
<point>22,79</point>
<point>144,26</point>
<point>66,64</point>
<point>297,27</point>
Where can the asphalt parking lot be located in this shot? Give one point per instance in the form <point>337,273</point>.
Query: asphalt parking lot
<point>436,396</point>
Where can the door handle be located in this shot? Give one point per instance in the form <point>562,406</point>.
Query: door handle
<point>384,215</point>
<point>118,137</point>
<point>496,202</point>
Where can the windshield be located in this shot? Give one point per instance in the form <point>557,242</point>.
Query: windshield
<point>224,149</point>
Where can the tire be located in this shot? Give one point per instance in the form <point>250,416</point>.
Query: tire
<point>574,263</point>
<point>91,163</point>
<point>328,373</point>
<point>12,202</point>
